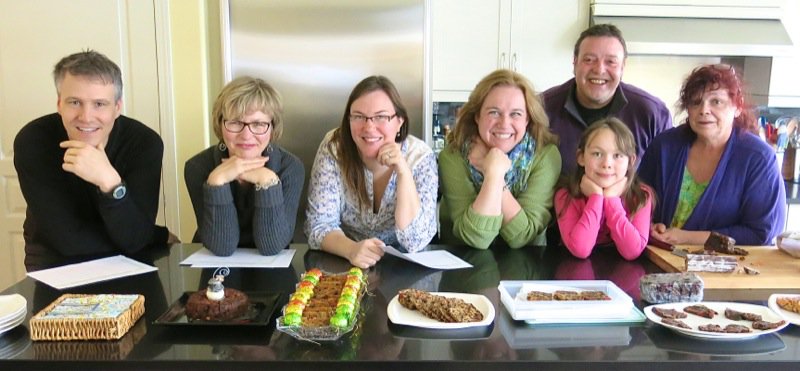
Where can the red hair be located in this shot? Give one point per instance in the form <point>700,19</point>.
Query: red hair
<point>719,76</point>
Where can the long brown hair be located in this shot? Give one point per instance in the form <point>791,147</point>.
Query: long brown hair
<point>467,127</point>
<point>634,196</point>
<point>345,149</point>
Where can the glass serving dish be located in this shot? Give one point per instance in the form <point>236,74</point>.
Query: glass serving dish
<point>325,333</point>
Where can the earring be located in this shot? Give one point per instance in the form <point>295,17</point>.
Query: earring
<point>222,147</point>
<point>398,135</point>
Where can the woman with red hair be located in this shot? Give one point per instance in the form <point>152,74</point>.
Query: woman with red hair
<point>714,173</point>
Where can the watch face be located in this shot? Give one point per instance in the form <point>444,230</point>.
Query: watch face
<point>119,192</point>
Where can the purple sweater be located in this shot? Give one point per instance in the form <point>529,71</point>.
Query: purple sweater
<point>745,198</point>
<point>643,113</point>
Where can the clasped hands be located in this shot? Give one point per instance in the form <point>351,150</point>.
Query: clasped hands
<point>589,187</point>
<point>244,170</point>
<point>491,160</point>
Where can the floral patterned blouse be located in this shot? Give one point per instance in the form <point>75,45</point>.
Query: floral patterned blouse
<point>691,191</point>
<point>331,206</point>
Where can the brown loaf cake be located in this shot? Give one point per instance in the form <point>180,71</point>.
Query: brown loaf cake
<point>199,307</point>
<point>322,306</point>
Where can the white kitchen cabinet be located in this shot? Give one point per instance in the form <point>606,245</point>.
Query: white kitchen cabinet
<point>784,86</point>
<point>465,45</point>
<point>471,38</point>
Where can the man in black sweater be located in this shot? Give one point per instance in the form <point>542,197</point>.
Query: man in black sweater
<point>89,175</point>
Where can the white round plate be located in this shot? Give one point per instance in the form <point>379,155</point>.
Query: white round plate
<point>12,324</point>
<point>791,317</point>
<point>11,305</point>
<point>694,321</point>
<point>401,315</point>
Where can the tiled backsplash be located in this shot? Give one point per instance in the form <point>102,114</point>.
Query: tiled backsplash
<point>781,127</point>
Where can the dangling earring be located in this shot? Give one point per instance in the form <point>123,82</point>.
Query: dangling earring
<point>222,147</point>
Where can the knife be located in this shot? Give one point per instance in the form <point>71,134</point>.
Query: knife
<point>660,244</point>
<point>667,246</point>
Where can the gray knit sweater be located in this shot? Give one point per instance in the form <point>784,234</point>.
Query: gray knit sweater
<point>235,215</point>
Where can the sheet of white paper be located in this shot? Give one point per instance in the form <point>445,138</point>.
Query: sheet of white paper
<point>90,272</point>
<point>241,258</point>
<point>437,259</point>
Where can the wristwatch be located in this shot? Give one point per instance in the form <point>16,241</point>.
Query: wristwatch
<point>117,193</point>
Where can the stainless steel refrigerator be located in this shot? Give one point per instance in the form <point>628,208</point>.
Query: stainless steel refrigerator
<point>315,52</point>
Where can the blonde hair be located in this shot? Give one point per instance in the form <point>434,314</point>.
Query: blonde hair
<point>467,128</point>
<point>244,95</point>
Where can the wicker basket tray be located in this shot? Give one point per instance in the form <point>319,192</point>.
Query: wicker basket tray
<point>90,350</point>
<point>87,317</point>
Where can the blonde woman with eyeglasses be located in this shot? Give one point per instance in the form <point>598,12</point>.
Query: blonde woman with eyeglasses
<point>245,190</point>
<point>372,184</point>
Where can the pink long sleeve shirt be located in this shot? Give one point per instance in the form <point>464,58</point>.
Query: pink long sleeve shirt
<point>586,222</point>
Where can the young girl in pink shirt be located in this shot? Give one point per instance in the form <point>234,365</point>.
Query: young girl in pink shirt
<point>604,201</point>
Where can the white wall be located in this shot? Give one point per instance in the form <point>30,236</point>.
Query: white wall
<point>662,76</point>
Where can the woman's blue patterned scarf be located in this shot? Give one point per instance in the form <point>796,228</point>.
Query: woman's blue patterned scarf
<point>521,157</point>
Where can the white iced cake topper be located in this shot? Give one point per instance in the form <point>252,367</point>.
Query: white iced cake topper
<point>215,290</point>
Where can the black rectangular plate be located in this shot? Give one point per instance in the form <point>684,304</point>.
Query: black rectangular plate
<point>262,306</point>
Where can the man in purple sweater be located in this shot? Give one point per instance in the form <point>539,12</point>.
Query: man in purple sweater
<point>597,92</point>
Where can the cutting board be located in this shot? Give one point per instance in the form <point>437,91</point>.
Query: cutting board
<point>779,271</point>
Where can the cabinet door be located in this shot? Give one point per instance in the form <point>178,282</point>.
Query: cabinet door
<point>543,34</point>
<point>784,87</point>
<point>465,43</point>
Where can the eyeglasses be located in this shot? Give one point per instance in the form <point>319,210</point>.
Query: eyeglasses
<point>257,128</point>
<point>377,119</point>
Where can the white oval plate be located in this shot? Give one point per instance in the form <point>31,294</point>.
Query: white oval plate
<point>401,315</point>
<point>694,321</point>
<point>789,316</point>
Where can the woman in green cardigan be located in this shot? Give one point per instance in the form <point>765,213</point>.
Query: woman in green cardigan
<point>500,166</point>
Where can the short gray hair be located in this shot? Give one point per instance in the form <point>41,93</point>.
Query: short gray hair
<point>92,64</point>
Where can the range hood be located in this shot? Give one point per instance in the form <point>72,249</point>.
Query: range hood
<point>698,27</point>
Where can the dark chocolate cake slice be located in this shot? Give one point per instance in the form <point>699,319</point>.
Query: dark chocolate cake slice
<point>721,243</point>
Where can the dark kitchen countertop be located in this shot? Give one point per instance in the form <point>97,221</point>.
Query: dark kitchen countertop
<point>379,344</point>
